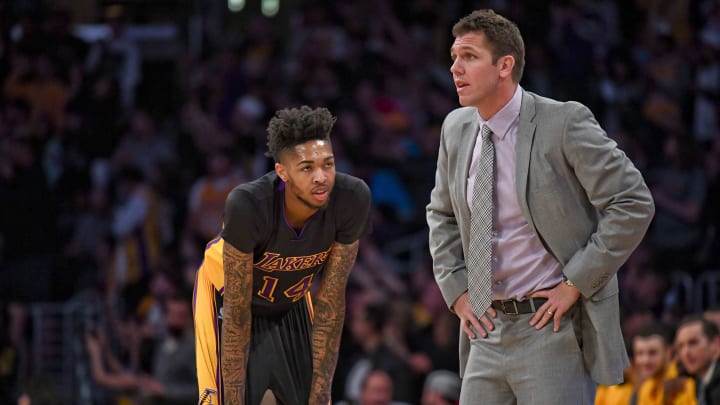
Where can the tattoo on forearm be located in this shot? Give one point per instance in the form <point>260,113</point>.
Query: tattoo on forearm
<point>329,317</point>
<point>237,320</point>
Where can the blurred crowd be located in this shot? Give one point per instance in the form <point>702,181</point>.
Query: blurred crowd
<point>114,168</point>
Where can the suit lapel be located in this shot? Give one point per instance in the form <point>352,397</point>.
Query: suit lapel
<point>466,144</point>
<point>525,137</point>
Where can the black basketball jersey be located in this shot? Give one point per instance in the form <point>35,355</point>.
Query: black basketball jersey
<point>286,262</point>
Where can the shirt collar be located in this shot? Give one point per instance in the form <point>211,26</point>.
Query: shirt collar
<point>502,120</point>
<point>708,376</point>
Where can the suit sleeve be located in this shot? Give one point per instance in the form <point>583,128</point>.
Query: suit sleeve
<point>444,232</point>
<point>616,188</point>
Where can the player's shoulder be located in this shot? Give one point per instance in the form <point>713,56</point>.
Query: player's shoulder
<point>252,192</point>
<point>349,184</point>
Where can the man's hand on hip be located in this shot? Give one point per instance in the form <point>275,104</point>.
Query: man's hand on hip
<point>468,318</point>
<point>559,300</point>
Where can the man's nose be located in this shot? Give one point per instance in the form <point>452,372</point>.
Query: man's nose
<point>456,66</point>
<point>319,176</point>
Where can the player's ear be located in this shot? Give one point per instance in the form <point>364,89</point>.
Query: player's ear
<point>280,171</point>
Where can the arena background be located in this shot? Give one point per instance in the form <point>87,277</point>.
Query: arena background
<point>101,99</point>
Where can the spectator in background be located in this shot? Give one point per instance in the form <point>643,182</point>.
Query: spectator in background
<point>442,387</point>
<point>163,284</point>
<point>117,55</point>
<point>248,134</point>
<point>697,342</point>
<point>66,50</point>
<point>137,227</point>
<point>711,215</point>
<point>642,286</point>
<point>172,379</point>
<point>376,389</point>
<point>706,89</point>
<point>198,118</point>
<point>367,326</point>
<point>106,369</point>
<point>667,78</point>
<point>657,380</point>
<point>679,189</point>
<point>206,201</point>
<point>9,359</point>
<point>437,337</point>
<point>34,79</point>
<point>27,233</point>
<point>654,375</point>
<point>100,127</point>
<point>712,314</point>
<point>144,146</point>
<point>620,92</point>
<point>619,394</point>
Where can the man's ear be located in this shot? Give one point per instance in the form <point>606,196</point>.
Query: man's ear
<point>280,171</point>
<point>506,64</point>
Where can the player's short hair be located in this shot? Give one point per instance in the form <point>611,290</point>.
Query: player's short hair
<point>502,35</point>
<point>294,126</point>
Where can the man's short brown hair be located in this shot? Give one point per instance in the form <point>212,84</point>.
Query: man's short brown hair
<point>502,35</point>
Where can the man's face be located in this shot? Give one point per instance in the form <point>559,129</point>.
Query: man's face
<point>695,351</point>
<point>378,390</point>
<point>178,316</point>
<point>309,174</point>
<point>650,355</point>
<point>475,76</point>
<point>431,397</point>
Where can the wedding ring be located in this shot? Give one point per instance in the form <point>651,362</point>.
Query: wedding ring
<point>551,313</point>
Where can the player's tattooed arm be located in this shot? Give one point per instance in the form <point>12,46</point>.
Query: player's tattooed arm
<point>237,320</point>
<point>329,308</point>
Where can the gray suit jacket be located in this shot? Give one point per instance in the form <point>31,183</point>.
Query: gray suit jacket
<point>585,200</point>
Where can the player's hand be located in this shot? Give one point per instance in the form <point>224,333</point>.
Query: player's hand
<point>559,300</point>
<point>469,321</point>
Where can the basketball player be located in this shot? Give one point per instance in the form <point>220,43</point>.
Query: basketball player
<point>283,231</point>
